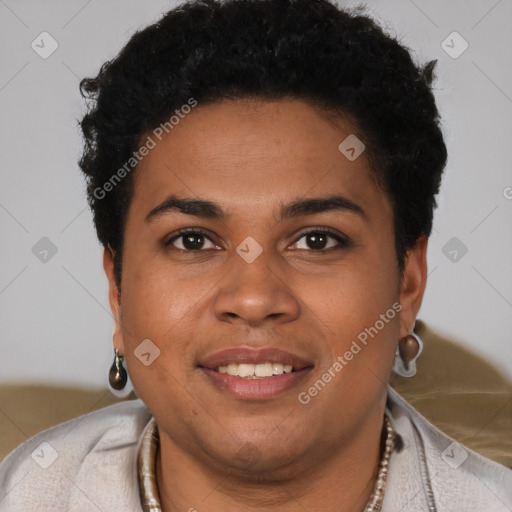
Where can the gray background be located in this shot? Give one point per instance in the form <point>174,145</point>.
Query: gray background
<point>54,316</point>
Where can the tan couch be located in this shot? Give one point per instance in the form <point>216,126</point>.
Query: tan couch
<point>461,393</point>
<point>458,391</point>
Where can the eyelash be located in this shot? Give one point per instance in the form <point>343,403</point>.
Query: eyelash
<point>343,241</point>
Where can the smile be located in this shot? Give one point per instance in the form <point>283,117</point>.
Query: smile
<point>255,371</point>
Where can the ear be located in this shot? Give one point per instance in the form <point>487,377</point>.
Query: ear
<point>113,296</point>
<point>412,286</point>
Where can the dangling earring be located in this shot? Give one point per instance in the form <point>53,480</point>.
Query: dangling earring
<point>117,375</point>
<point>407,351</point>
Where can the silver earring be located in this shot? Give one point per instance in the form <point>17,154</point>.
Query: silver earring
<point>407,351</point>
<point>117,375</point>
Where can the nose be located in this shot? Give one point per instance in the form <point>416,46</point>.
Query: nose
<point>256,293</point>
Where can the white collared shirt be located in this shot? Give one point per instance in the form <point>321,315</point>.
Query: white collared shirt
<point>97,461</point>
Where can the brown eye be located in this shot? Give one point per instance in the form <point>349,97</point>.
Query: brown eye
<point>316,240</point>
<point>191,241</point>
<point>320,241</point>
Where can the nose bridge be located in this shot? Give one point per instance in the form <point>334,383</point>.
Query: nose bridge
<point>253,291</point>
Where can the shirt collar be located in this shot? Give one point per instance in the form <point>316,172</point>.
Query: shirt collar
<point>401,467</point>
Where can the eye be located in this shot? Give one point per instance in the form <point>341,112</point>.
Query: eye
<point>321,240</point>
<point>191,240</point>
<point>318,240</point>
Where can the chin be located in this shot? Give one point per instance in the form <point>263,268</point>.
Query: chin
<point>256,456</point>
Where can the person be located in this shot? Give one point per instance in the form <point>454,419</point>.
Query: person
<point>262,175</point>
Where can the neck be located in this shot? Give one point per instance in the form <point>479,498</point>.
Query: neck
<point>341,481</point>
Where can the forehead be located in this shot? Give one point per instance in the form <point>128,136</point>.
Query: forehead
<point>244,154</point>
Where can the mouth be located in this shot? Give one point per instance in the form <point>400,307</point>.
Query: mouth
<point>256,371</point>
<point>254,374</point>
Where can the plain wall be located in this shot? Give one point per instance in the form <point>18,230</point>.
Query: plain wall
<point>55,319</point>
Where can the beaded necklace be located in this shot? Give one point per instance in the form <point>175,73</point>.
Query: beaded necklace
<point>149,490</point>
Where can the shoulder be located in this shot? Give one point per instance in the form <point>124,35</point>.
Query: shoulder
<point>91,458</point>
<point>451,472</point>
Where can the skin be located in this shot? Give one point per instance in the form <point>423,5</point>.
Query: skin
<point>217,452</point>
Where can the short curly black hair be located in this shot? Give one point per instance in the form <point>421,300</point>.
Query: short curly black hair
<point>312,50</point>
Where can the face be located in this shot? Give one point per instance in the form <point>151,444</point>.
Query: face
<point>287,257</point>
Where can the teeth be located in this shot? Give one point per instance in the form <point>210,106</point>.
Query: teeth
<point>232,369</point>
<point>263,370</point>
<point>246,370</point>
<point>277,368</point>
<point>255,371</point>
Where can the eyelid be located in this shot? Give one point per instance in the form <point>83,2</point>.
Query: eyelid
<point>184,231</point>
<point>342,239</point>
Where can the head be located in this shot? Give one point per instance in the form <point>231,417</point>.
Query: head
<point>262,174</point>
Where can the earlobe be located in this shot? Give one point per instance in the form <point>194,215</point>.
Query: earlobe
<point>412,287</point>
<point>113,290</point>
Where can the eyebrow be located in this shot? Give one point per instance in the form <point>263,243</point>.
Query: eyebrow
<point>310,206</point>
<point>210,210</point>
<point>196,207</point>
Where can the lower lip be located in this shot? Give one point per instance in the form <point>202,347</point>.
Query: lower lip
<point>256,389</point>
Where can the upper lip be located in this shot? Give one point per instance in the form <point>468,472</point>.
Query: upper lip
<point>240,355</point>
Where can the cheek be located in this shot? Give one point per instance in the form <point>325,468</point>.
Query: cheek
<point>158,306</point>
<point>357,294</point>
<point>359,305</point>
<point>155,298</point>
